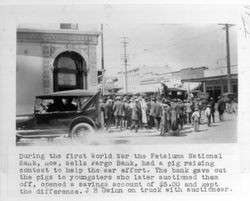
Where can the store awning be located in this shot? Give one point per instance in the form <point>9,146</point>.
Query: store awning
<point>190,86</point>
<point>211,78</point>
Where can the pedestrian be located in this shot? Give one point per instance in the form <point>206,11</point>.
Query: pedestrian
<point>126,113</point>
<point>196,117</point>
<point>221,108</point>
<point>157,114</point>
<point>212,103</point>
<point>107,110</point>
<point>180,115</point>
<point>135,114</point>
<point>208,114</point>
<point>189,111</point>
<point>118,109</point>
<point>148,111</point>
<point>200,109</point>
<point>173,112</point>
<point>168,116</point>
<point>101,113</point>
<point>152,113</point>
<point>144,108</point>
<point>165,118</point>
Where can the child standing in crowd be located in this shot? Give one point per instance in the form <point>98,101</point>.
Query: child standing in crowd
<point>196,117</point>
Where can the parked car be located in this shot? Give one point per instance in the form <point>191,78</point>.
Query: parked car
<point>71,113</point>
<point>231,102</point>
<point>229,97</point>
<point>202,97</point>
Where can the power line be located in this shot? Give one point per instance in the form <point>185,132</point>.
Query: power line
<point>171,39</point>
<point>187,40</point>
<point>183,42</point>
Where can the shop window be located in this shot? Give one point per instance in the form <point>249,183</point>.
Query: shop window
<point>69,72</point>
<point>235,89</point>
<point>225,89</point>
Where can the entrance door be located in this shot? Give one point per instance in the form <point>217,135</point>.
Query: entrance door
<point>217,92</point>
<point>69,72</point>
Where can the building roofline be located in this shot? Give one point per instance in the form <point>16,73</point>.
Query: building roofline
<point>61,31</point>
<point>191,68</point>
<point>202,79</point>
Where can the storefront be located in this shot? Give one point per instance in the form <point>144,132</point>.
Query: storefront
<point>216,85</point>
<point>55,60</point>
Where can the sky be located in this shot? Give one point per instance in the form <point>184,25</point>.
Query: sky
<point>174,45</point>
<point>157,45</point>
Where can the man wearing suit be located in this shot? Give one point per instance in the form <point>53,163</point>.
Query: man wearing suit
<point>157,114</point>
<point>107,110</point>
<point>152,113</point>
<point>118,109</point>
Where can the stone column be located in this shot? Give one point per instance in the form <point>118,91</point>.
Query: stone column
<point>47,84</point>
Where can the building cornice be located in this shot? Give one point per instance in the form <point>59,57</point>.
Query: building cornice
<point>57,36</point>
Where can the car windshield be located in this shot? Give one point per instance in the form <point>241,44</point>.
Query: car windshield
<point>84,100</point>
<point>55,104</point>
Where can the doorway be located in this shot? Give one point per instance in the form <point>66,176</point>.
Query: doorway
<point>69,72</point>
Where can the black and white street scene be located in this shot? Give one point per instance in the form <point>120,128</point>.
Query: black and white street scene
<point>103,84</point>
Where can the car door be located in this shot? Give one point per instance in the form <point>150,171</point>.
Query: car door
<point>54,123</point>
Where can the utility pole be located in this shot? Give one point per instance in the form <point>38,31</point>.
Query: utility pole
<point>229,81</point>
<point>103,70</point>
<point>125,43</point>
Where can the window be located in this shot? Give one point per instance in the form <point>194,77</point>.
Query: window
<point>83,101</point>
<point>69,72</point>
<point>56,104</point>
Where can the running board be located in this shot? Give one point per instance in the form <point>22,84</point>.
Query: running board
<point>42,136</point>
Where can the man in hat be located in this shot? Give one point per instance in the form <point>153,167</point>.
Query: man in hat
<point>118,109</point>
<point>126,113</point>
<point>189,110</point>
<point>157,113</point>
<point>221,107</point>
<point>212,103</point>
<point>165,118</point>
<point>196,117</point>
<point>180,114</point>
<point>152,113</point>
<point>135,115</point>
<point>107,109</point>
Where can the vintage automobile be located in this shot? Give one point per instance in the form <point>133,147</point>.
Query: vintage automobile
<point>202,97</point>
<point>229,97</point>
<point>70,113</point>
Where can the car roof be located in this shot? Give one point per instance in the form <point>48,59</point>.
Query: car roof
<point>176,89</point>
<point>69,93</point>
<point>225,94</point>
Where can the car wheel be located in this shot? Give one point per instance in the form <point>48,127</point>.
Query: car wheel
<point>82,131</point>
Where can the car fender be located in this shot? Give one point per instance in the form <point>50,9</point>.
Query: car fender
<point>80,119</point>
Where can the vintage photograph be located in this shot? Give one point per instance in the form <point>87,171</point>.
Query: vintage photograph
<point>100,84</point>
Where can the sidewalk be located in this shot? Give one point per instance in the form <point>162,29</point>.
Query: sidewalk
<point>218,132</point>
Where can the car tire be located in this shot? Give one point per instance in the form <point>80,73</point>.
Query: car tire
<point>82,131</point>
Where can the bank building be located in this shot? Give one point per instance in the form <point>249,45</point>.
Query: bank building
<point>54,58</point>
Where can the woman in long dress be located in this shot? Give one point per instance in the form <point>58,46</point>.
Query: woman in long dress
<point>144,108</point>
<point>174,123</point>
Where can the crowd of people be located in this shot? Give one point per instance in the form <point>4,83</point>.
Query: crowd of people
<point>165,115</point>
